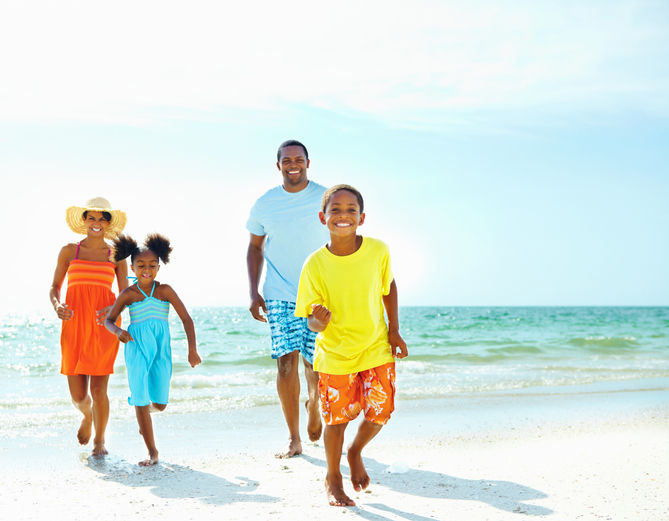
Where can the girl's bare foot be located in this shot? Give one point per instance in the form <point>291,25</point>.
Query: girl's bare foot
<point>334,489</point>
<point>359,476</point>
<point>314,425</point>
<point>153,459</point>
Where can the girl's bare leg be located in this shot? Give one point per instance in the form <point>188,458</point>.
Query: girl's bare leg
<point>100,412</point>
<point>82,401</point>
<point>143,414</point>
<point>333,437</point>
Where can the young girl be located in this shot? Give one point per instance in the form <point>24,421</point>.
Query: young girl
<point>148,354</point>
<point>88,350</point>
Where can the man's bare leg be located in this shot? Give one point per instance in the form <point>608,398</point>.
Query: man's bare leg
<point>100,412</point>
<point>145,423</point>
<point>288,387</point>
<point>334,484</point>
<point>366,432</point>
<point>78,385</point>
<point>314,425</point>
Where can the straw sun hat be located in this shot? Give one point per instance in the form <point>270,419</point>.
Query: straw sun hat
<point>74,216</point>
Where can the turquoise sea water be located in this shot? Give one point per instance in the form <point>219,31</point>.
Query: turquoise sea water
<point>452,352</point>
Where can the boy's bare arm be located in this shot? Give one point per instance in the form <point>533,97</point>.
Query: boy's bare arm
<point>319,319</point>
<point>397,344</point>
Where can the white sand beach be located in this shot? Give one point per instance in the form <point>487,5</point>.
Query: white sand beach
<point>555,456</point>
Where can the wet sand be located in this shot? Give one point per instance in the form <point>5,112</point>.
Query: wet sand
<point>569,455</point>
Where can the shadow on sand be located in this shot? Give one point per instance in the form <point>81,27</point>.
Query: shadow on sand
<point>171,481</point>
<point>502,495</point>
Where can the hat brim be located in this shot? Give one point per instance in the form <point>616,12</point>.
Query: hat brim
<point>74,217</point>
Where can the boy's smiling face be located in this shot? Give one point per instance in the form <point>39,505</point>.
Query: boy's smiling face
<point>342,215</point>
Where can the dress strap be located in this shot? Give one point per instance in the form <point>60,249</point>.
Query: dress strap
<point>140,289</point>
<point>153,288</point>
<point>77,255</point>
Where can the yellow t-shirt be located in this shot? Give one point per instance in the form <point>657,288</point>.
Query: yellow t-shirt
<point>352,288</point>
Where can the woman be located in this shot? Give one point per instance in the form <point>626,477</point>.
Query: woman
<point>88,349</point>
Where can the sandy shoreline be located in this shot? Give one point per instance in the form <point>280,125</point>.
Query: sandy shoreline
<point>567,456</point>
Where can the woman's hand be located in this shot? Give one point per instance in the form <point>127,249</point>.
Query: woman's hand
<point>64,312</point>
<point>102,315</point>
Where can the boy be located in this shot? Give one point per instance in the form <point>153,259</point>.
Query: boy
<point>344,287</point>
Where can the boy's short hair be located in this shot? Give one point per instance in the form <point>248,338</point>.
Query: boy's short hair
<point>338,188</point>
<point>291,143</point>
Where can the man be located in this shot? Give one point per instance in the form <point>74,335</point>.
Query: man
<point>285,229</point>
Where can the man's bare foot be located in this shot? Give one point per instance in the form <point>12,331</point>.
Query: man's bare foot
<point>335,492</point>
<point>153,459</point>
<point>359,476</point>
<point>292,449</point>
<point>85,430</point>
<point>99,448</point>
<point>314,425</point>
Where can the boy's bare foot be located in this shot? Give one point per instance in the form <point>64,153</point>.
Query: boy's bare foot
<point>153,459</point>
<point>292,449</point>
<point>359,476</point>
<point>85,429</point>
<point>314,425</point>
<point>335,492</point>
<point>99,448</point>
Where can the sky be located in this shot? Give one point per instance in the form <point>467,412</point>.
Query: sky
<point>511,153</point>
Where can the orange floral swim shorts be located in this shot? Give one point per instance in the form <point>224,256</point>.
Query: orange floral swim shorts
<point>344,396</point>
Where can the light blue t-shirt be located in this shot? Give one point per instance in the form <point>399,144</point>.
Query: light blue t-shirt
<point>294,231</point>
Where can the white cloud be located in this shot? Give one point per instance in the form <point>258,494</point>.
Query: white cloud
<point>407,62</point>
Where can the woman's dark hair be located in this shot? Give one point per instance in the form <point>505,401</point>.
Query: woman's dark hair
<point>106,215</point>
<point>125,246</point>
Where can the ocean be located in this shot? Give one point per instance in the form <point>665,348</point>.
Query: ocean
<point>453,351</point>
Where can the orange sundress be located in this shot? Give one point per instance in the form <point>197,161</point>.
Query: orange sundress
<point>86,347</point>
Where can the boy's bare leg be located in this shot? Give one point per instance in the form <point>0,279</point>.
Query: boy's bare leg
<point>365,434</point>
<point>143,414</point>
<point>288,387</point>
<point>82,401</point>
<point>100,412</point>
<point>334,484</point>
<point>314,426</point>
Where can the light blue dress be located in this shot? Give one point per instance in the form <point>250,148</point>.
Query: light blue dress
<point>148,358</point>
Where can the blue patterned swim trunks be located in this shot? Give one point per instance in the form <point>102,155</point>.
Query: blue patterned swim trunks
<point>289,333</point>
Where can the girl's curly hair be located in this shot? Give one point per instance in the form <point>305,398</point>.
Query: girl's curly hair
<point>125,246</point>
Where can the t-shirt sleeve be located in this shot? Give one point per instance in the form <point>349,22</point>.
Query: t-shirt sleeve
<point>253,225</point>
<point>307,291</point>
<point>387,273</point>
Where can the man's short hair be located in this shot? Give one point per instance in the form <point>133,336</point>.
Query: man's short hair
<point>291,143</point>
<point>338,188</point>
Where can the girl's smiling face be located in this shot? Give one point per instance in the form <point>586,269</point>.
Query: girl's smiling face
<point>145,266</point>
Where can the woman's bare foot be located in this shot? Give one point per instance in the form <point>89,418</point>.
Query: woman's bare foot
<point>292,449</point>
<point>99,448</point>
<point>85,429</point>
<point>359,476</point>
<point>153,459</point>
<point>314,425</point>
<point>334,490</point>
